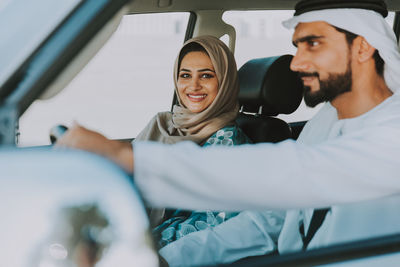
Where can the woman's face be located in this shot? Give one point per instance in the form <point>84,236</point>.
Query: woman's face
<point>197,81</point>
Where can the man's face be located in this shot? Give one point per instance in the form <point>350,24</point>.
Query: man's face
<point>323,61</point>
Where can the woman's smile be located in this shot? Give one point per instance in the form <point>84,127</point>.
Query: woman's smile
<point>196,97</point>
<point>197,82</point>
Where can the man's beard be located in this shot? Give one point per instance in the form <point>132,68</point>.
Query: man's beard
<point>333,86</point>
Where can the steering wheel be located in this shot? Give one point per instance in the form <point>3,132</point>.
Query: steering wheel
<point>56,132</point>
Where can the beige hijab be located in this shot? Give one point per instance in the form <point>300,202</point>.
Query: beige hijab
<point>182,124</point>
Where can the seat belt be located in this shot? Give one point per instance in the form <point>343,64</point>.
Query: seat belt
<point>317,219</point>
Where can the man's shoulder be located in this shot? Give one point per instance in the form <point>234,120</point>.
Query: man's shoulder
<point>387,111</point>
<point>320,123</point>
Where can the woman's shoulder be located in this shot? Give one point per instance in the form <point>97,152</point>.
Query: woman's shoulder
<point>152,129</point>
<point>163,113</point>
<point>230,135</point>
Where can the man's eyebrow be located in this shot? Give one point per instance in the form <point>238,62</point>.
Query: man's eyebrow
<point>307,38</point>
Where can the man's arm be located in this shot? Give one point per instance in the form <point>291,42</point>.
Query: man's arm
<point>355,167</point>
<point>81,138</point>
<point>247,234</point>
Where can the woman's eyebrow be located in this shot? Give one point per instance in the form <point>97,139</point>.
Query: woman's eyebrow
<point>203,70</point>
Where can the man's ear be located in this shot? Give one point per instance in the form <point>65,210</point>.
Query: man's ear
<point>365,51</point>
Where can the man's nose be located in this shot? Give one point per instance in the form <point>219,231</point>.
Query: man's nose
<point>300,62</point>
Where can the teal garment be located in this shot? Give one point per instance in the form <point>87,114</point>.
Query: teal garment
<point>181,223</point>
<point>228,136</point>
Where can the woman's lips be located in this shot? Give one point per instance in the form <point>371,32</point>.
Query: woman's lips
<point>196,97</point>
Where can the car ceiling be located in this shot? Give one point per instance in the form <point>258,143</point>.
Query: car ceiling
<point>148,6</point>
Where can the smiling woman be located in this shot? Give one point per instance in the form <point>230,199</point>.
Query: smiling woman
<point>197,82</point>
<point>206,83</point>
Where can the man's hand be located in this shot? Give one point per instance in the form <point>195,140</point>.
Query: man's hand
<point>79,137</point>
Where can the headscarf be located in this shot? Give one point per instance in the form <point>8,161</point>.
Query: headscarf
<point>368,24</point>
<point>182,124</point>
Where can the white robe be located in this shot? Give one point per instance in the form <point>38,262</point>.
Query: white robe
<point>343,223</point>
<point>334,162</point>
<point>362,164</point>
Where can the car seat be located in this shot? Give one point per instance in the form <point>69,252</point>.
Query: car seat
<point>268,88</point>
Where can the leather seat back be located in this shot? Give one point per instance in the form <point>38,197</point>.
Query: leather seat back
<point>268,88</point>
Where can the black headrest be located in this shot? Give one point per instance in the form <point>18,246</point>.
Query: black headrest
<point>269,82</point>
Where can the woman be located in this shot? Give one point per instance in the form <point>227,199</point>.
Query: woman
<point>206,83</point>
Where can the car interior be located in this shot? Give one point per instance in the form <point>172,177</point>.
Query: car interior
<point>268,88</point>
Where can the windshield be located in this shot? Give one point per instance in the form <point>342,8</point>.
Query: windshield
<point>24,25</point>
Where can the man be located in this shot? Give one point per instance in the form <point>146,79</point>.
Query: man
<point>331,162</point>
<point>332,171</point>
<point>349,152</point>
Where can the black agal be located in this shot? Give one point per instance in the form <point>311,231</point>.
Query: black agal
<point>304,6</point>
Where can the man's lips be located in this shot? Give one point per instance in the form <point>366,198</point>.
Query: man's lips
<point>308,80</point>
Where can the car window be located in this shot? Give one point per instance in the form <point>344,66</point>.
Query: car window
<point>123,86</point>
<point>261,34</point>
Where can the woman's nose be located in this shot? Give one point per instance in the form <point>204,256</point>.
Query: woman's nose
<point>195,84</point>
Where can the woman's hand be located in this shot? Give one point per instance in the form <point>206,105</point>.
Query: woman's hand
<point>79,137</point>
